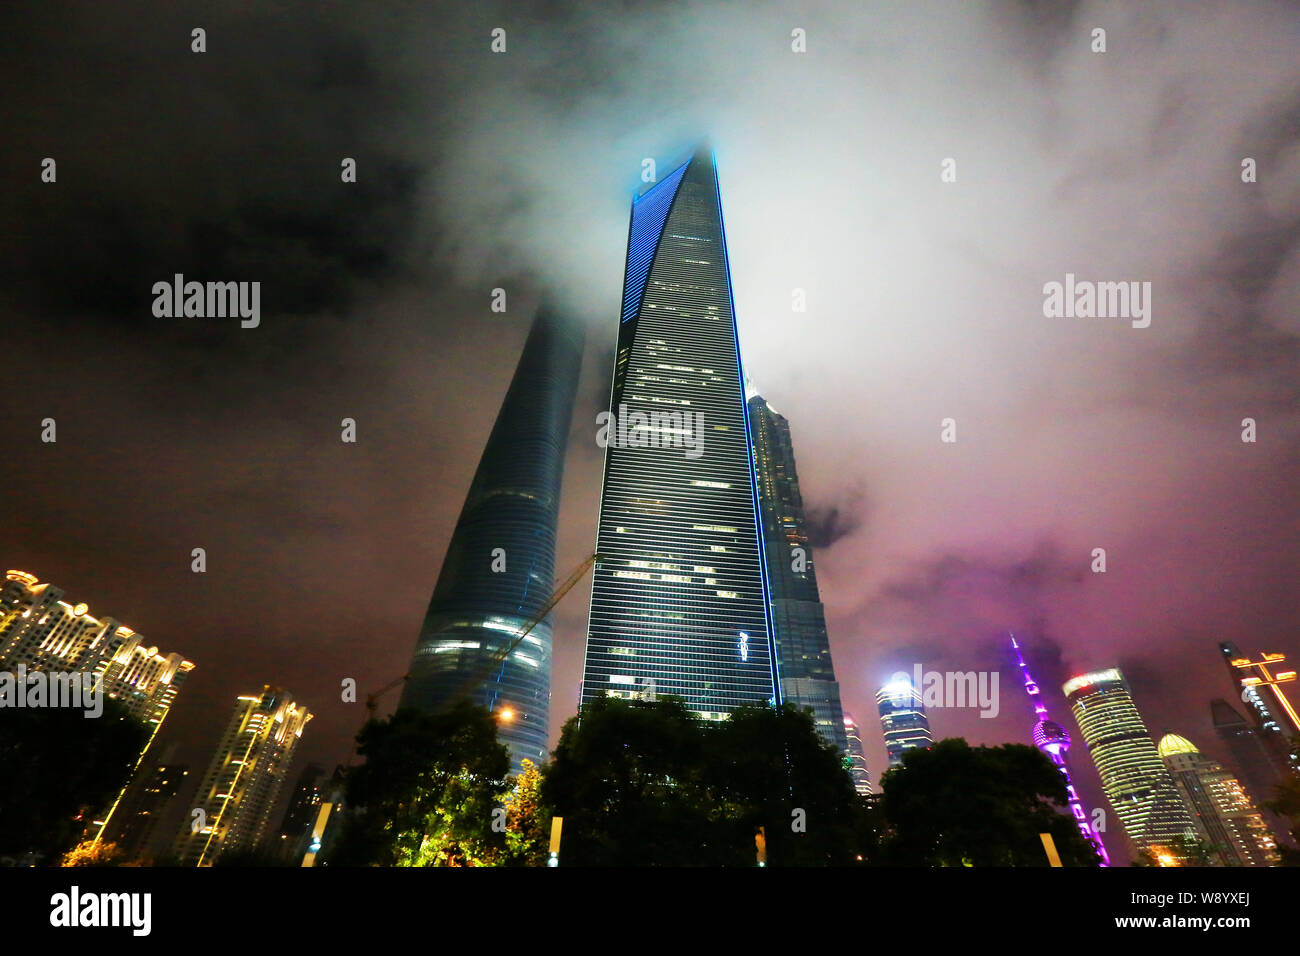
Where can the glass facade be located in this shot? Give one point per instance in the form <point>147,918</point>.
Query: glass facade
<point>857,759</point>
<point>1138,786</point>
<point>803,649</point>
<point>903,720</point>
<point>1227,817</point>
<point>1275,718</point>
<point>679,599</point>
<point>499,570</point>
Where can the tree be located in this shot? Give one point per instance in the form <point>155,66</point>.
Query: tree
<point>628,778</point>
<point>769,767</point>
<point>59,769</point>
<point>1286,803</point>
<point>647,783</point>
<point>88,853</point>
<point>957,805</point>
<point>527,822</point>
<point>425,795</point>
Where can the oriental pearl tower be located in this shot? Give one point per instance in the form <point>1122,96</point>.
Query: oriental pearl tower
<point>1052,739</point>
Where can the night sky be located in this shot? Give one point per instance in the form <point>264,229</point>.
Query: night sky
<point>515,170</point>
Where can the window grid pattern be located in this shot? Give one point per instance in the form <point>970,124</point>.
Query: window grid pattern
<point>679,599</point>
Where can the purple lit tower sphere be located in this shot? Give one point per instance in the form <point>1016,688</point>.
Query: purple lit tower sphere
<point>1052,739</point>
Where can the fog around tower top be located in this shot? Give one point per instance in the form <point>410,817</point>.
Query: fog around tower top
<point>923,300</point>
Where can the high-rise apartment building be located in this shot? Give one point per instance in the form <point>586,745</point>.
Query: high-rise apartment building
<point>1227,818</point>
<point>679,601</point>
<point>902,718</point>
<point>39,631</point>
<point>1136,782</point>
<point>239,789</point>
<point>803,647</point>
<point>857,758</point>
<point>498,573</point>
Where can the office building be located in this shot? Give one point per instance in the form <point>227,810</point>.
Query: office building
<point>798,618</point>
<point>902,718</point>
<point>1227,818</point>
<point>679,601</point>
<point>857,758</point>
<point>1258,681</point>
<point>1137,784</point>
<point>498,572</point>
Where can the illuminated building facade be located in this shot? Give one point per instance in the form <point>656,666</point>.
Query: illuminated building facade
<point>42,632</point>
<point>1053,740</point>
<point>1139,788</point>
<point>679,601</point>
<point>902,718</point>
<point>857,758</point>
<point>1228,820</point>
<point>240,787</point>
<point>1255,766</point>
<point>1258,680</point>
<point>798,618</point>
<point>498,573</point>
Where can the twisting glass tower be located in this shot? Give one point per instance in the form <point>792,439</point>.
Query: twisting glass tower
<point>499,568</point>
<point>679,601</point>
<point>1052,739</point>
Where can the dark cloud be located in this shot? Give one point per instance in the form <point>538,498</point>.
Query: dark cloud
<point>479,171</point>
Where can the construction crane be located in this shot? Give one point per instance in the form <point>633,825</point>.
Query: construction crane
<point>482,674</point>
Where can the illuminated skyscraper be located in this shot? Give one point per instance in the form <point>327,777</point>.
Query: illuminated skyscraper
<point>679,602</point>
<point>1258,681</point>
<point>240,787</point>
<point>902,718</point>
<point>857,759</point>
<point>1139,788</point>
<point>1228,820</point>
<point>41,632</point>
<point>799,620</point>
<point>1053,740</point>
<point>500,565</point>
<point>1257,768</point>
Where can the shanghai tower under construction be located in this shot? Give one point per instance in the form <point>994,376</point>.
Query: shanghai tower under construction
<point>499,569</point>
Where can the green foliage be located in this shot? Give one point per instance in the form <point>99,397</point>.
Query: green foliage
<point>425,795</point>
<point>957,805</point>
<point>96,854</point>
<point>646,783</point>
<point>629,781</point>
<point>57,769</point>
<point>528,831</point>
<point>769,767</point>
